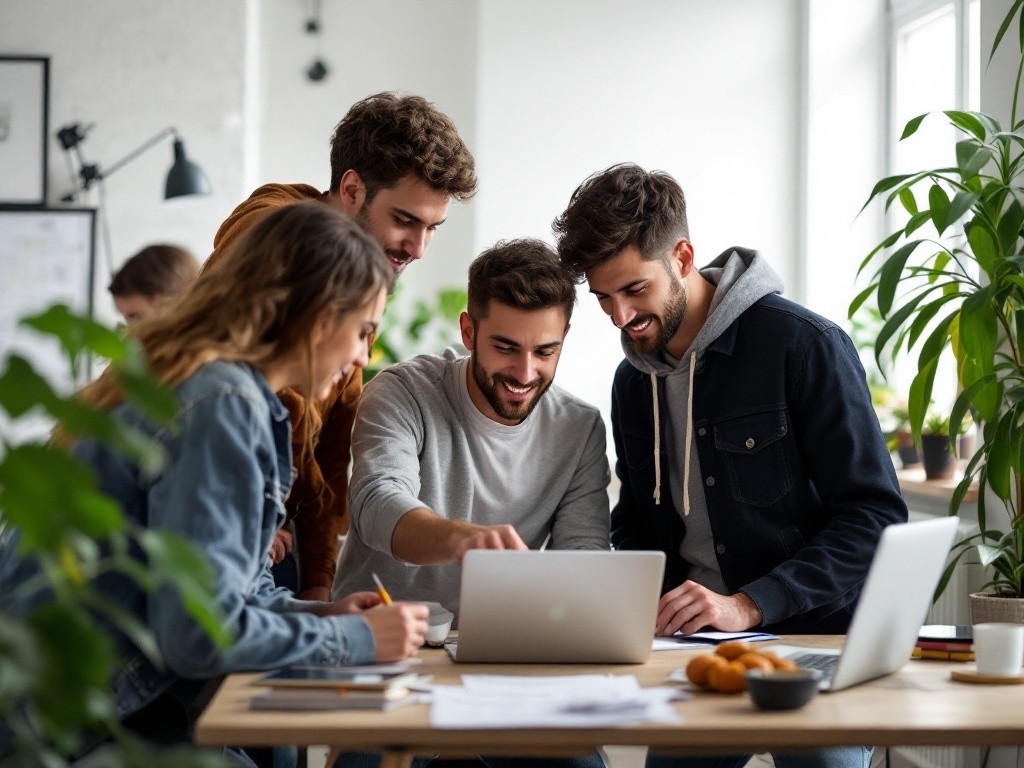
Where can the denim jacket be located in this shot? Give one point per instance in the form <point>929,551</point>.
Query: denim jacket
<point>223,490</point>
<point>796,476</point>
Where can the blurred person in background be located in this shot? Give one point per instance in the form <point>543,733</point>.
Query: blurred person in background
<point>148,279</point>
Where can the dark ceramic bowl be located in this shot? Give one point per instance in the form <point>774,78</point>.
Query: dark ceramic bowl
<point>781,689</point>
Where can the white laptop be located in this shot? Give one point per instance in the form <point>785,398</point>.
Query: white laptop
<point>893,603</point>
<point>558,606</point>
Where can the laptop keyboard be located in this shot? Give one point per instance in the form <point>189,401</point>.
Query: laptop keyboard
<point>822,661</point>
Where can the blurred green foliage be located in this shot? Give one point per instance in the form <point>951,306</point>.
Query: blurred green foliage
<point>56,662</point>
<point>424,327</point>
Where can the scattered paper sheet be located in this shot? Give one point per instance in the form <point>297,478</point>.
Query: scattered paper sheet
<point>568,701</point>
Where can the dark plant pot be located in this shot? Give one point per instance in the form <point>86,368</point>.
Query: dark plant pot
<point>939,461</point>
<point>906,449</point>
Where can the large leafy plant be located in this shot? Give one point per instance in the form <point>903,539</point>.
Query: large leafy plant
<point>56,662</point>
<point>952,278</point>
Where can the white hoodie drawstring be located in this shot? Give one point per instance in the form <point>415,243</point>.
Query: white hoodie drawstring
<point>657,442</point>
<point>689,438</point>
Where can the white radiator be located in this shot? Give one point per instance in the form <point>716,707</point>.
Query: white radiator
<point>954,605</point>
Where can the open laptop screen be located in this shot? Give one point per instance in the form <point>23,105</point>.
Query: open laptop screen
<point>558,606</point>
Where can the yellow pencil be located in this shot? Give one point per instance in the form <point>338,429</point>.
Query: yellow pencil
<point>381,591</point>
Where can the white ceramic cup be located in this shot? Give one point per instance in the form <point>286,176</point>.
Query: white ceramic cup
<point>999,648</point>
<point>439,624</point>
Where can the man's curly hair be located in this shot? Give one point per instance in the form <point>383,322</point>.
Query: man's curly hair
<point>386,136</point>
<point>618,207</point>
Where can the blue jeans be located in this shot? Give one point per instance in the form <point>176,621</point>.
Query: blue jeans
<point>834,757</point>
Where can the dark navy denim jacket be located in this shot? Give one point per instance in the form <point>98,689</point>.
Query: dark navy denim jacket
<point>797,511</point>
<point>223,490</point>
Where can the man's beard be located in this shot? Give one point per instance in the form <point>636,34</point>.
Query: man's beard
<point>672,315</point>
<point>490,387</point>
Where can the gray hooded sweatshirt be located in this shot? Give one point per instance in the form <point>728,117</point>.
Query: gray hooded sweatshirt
<point>741,277</point>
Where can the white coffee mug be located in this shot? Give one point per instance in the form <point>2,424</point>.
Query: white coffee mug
<point>439,624</point>
<point>999,648</point>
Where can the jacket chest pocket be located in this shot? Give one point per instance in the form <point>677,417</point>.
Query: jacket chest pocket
<point>638,451</point>
<point>752,450</point>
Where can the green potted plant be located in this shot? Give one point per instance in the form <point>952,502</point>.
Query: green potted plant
<point>901,440</point>
<point>56,661</point>
<point>892,413</point>
<point>937,453</point>
<point>952,278</point>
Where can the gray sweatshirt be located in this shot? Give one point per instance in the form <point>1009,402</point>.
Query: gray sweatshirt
<point>741,277</point>
<point>419,441</point>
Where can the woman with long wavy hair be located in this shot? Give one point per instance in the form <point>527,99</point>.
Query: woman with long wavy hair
<point>294,304</point>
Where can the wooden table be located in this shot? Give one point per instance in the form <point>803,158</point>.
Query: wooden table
<point>920,705</point>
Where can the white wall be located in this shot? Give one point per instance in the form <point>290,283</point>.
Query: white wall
<point>845,109</point>
<point>134,67</point>
<point>705,91</point>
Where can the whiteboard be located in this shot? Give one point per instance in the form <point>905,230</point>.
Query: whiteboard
<point>46,257</point>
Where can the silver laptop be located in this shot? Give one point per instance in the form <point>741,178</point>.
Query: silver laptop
<point>893,604</point>
<point>558,606</point>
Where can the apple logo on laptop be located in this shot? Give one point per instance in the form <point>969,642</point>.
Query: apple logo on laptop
<point>556,613</point>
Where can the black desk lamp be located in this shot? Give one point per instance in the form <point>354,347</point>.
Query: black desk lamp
<point>184,178</point>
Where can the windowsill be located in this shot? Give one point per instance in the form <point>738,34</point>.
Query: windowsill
<point>912,481</point>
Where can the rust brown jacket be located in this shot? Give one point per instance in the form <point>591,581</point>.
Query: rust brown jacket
<point>319,518</point>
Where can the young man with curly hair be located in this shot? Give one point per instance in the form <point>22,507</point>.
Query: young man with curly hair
<point>746,443</point>
<point>396,163</point>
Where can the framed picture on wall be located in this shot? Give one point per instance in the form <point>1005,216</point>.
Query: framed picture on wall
<point>24,125</point>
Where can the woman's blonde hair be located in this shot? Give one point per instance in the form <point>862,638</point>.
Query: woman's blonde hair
<point>260,302</point>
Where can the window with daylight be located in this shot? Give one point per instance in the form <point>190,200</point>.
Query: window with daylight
<point>935,65</point>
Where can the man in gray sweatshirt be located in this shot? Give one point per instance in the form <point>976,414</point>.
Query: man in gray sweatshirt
<point>458,452</point>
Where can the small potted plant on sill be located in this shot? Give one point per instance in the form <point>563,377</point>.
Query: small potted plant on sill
<point>893,417</point>
<point>901,440</point>
<point>936,448</point>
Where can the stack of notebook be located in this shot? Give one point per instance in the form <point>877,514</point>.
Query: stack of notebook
<point>947,642</point>
<point>320,688</point>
